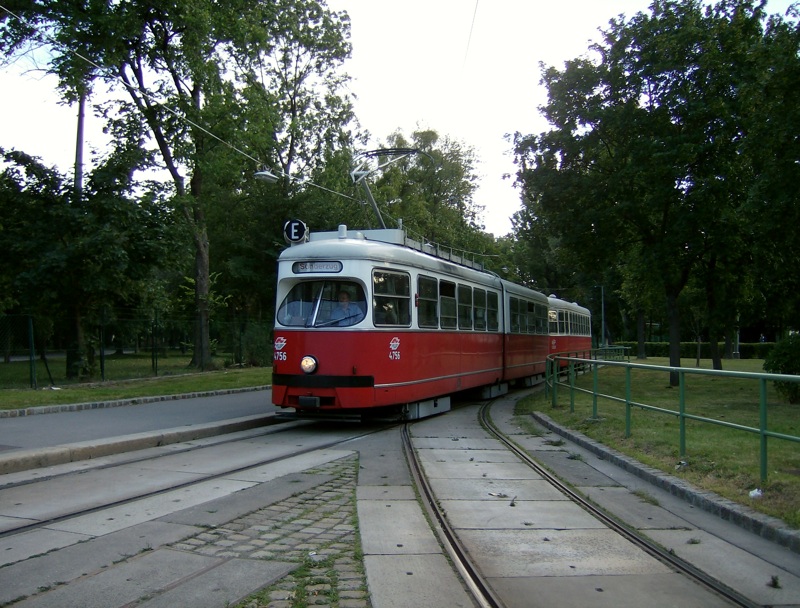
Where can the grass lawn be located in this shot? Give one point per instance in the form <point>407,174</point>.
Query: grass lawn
<point>175,377</point>
<point>720,459</point>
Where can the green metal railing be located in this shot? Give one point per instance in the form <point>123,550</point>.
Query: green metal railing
<point>570,364</point>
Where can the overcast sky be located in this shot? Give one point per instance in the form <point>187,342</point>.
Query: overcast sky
<point>468,69</point>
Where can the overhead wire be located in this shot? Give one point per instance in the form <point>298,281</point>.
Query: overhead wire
<point>471,29</point>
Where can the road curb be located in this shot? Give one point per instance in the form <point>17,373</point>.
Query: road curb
<point>765,526</point>
<point>97,405</point>
<point>24,460</point>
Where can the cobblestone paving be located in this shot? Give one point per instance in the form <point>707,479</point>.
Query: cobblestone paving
<point>316,528</point>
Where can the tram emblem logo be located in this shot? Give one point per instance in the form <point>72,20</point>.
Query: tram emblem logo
<point>394,349</point>
<point>280,342</point>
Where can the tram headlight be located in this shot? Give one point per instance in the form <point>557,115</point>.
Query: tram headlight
<point>308,364</point>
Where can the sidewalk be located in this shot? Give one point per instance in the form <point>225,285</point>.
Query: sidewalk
<point>71,433</point>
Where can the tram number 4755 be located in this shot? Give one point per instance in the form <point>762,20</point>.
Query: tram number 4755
<point>394,355</point>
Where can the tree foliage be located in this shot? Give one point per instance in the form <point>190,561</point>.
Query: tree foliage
<point>71,259</point>
<point>202,81</point>
<point>652,165</point>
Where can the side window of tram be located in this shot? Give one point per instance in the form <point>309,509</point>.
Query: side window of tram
<point>540,312</point>
<point>479,300</point>
<point>428,302</point>
<point>447,304</point>
<point>492,307</point>
<point>552,315</point>
<point>515,320</point>
<point>392,292</point>
<point>464,307</point>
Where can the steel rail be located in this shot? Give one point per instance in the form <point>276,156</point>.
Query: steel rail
<point>475,583</point>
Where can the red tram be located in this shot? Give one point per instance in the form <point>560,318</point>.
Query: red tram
<point>370,322</point>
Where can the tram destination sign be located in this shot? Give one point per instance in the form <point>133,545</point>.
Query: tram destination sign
<point>317,266</point>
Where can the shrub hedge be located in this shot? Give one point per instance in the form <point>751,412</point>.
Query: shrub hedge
<point>751,350</point>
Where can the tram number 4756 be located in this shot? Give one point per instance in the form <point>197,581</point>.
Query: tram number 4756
<point>394,349</point>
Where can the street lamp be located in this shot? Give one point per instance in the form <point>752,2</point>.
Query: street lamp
<point>271,178</point>
<point>267,176</point>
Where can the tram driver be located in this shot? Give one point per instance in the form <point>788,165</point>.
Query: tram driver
<point>346,313</point>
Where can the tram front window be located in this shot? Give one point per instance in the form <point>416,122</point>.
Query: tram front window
<point>323,304</point>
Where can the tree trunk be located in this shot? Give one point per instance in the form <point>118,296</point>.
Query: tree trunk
<point>76,348</point>
<point>716,356</point>
<point>641,351</point>
<point>202,338</point>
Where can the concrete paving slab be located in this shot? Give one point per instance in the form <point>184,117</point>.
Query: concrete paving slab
<point>479,470</point>
<point>140,577</point>
<point>79,492</point>
<point>10,523</point>
<point>456,443</point>
<point>58,567</point>
<point>574,471</point>
<point>626,591</point>
<point>219,511</point>
<point>35,542</point>
<point>224,585</point>
<point>495,489</point>
<point>631,509</point>
<point>459,455</point>
<point>148,509</point>
<point>288,466</point>
<point>525,515</point>
<point>512,553</point>
<point>742,571</point>
<point>460,420</point>
<point>383,471</point>
<point>220,458</point>
<point>400,581</point>
<point>409,533</point>
<point>385,493</point>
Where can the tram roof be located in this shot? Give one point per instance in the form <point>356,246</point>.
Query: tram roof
<point>390,246</point>
<point>559,304</point>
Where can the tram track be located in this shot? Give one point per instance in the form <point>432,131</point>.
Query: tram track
<point>196,480</point>
<point>470,571</point>
<point>665,556</point>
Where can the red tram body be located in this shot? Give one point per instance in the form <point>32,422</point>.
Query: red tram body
<point>371,322</point>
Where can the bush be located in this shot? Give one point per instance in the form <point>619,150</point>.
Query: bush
<point>257,345</point>
<point>784,358</point>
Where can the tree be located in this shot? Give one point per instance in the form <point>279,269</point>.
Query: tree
<point>648,158</point>
<point>195,73</point>
<point>73,258</point>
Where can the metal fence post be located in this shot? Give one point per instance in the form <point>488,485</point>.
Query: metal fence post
<point>682,411</point>
<point>627,402</point>
<point>762,424</point>
<point>594,390</point>
<point>547,378</point>
<point>555,381</point>
<point>572,387</point>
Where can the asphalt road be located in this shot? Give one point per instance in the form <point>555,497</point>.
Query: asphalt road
<point>47,430</point>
